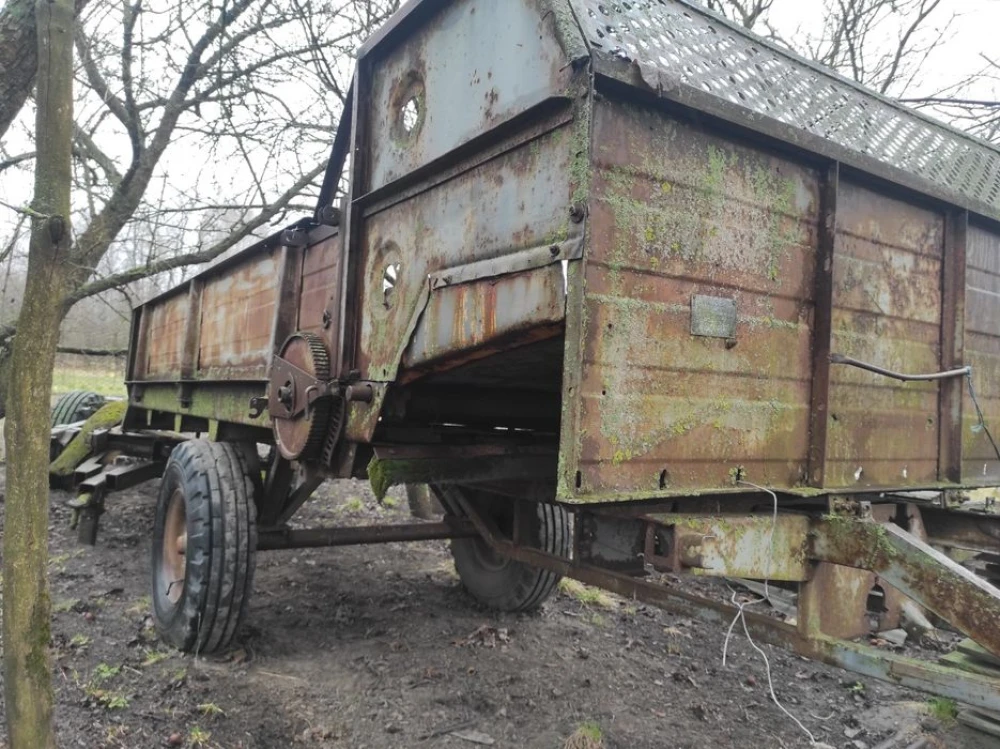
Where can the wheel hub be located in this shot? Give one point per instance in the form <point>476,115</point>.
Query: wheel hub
<point>174,560</point>
<point>300,401</point>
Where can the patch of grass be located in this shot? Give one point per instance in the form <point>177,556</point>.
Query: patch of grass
<point>588,736</point>
<point>79,641</point>
<point>942,708</point>
<point>103,382</point>
<point>141,607</point>
<point>153,657</point>
<point>597,620</point>
<point>390,502</point>
<point>198,736</point>
<point>108,699</point>
<point>585,594</point>
<point>103,672</point>
<point>210,709</point>
<point>353,504</point>
<point>66,604</point>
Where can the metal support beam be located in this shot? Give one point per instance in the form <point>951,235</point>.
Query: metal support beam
<point>750,546</point>
<point>823,325</point>
<point>934,678</point>
<point>373,534</point>
<point>917,570</point>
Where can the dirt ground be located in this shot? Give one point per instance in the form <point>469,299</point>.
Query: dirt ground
<point>380,647</point>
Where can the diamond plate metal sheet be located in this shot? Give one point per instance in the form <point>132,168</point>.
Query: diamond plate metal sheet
<point>673,42</point>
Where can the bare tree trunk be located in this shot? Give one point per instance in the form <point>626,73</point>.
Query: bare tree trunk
<point>26,603</point>
<point>18,58</point>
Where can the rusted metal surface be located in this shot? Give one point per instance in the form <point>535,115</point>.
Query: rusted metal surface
<point>321,275</point>
<point>953,280</point>
<point>237,320</point>
<point>969,531</point>
<point>163,333</point>
<point>822,325</point>
<point>887,311</point>
<point>470,315</point>
<point>982,352</point>
<point>747,546</point>
<point>851,589</point>
<point>915,569</point>
<point>503,206</point>
<point>472,52</point>
<point>676,213</point>
<point>313,538</point>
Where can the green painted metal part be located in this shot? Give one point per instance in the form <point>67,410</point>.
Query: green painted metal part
<point>741,546</point>
<point>109,415</point>
<point>224,402</point>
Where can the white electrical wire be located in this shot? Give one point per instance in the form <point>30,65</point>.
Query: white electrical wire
<point>741,618</point>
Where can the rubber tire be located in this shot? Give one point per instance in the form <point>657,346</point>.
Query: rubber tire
<point>78,405</point>
<point>505,584</point>
<point>220,521</point>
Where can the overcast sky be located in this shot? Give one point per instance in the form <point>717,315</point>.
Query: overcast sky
<point>975,32</point>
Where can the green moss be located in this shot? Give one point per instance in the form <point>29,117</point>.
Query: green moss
<point>581,173</point>
<point>943,708</point>
<point>380,478</point>
<point>110,415</point>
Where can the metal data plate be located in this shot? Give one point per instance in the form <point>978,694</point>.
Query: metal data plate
<point>713,317</point>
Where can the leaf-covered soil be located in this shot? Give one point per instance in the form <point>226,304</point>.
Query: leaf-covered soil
<point>380,647</point>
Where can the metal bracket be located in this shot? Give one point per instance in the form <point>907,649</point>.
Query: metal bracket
<point>299,391</point>
<point>258,406</point>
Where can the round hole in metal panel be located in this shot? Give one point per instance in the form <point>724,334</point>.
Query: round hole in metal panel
<point>407,105</point>
<point>410,115</point>
<point>390,277</point>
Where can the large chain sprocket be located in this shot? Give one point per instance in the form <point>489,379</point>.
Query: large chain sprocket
<point>300,436</point>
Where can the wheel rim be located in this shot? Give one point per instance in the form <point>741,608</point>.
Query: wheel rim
<point>174,562</point>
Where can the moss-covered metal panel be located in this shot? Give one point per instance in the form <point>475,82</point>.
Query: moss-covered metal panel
<point>677,213</point>
<point>886,311</point>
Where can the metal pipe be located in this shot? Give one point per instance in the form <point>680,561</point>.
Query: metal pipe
<point>314,538</point>
<point>841,359</point>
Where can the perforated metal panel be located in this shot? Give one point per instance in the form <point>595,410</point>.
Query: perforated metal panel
<point>674,43</point>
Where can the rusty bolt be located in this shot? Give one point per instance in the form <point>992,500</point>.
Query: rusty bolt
<point>577,213</point>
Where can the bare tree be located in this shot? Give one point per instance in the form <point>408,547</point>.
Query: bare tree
<point>886,45</point>
<point>26,603</point>
<point>191,110</point>
<point>883,44</point>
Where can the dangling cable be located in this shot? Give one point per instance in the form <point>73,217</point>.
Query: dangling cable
<point>741,618</point>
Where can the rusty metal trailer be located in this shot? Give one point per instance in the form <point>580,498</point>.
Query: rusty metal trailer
<point>635,292</point>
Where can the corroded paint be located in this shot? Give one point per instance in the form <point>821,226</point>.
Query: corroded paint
<point>677,213</point>
<point>321,276</point>
<point>470,315</point>
<point>497,59</point>
<point>164,335</point>
<point>510,203</point>
<point>237,319</point>
<point>886,311</point>
<point>982,352</point>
